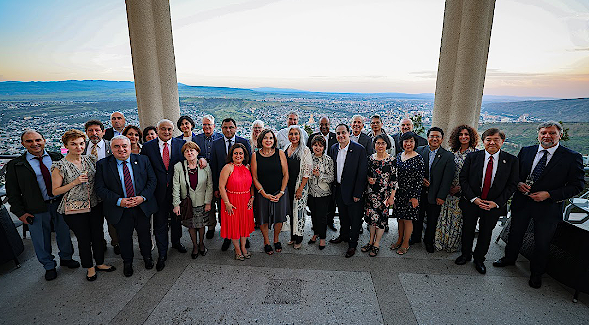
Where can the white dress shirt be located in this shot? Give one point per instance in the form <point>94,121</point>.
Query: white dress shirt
<point>161,144</point>
<point>341,160</point>
<point>495,164</point>
<point>100,149</point>
<point>540,153</point>
<point>227,142</point>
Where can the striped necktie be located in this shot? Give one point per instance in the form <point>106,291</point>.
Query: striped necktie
<point>128,181</point>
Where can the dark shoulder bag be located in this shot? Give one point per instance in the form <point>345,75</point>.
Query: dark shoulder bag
<point>186,203</point>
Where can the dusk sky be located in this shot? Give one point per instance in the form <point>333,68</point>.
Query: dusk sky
<point>538,47</point>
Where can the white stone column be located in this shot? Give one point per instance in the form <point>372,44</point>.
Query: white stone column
<point>463,63</point>
<point>154,65</point>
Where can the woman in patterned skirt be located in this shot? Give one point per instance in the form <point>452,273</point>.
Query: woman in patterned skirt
<point>463,141</point>
<point>380,193</point>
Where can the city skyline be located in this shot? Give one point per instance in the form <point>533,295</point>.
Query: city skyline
<point>538,48</point>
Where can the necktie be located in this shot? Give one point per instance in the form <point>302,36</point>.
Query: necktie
<point>166,156</point>
<point>228,145</point>
<point>488,176</point>
<point>128,182</point>
<point>540,166</point>
<point>94,152</point>
<point>46,176</point>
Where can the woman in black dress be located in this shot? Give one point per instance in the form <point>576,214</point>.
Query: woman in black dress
<point>410,173</point>
<point>272,206</point>
<point>380,193</point>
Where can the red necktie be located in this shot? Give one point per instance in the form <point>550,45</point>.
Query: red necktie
<point>488,176</point>
<point>166,155</point>
<point>128,182</point>
<point>46,176</point>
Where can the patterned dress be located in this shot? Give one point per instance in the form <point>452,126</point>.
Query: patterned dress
<point>410,180</point>
<point>376,213</point>
<point>241,222</point>
<point>69,172</point>
<point>303,160</point>
<point>449,229</point>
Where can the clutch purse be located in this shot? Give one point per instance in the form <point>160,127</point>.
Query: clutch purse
<point>77,206</point>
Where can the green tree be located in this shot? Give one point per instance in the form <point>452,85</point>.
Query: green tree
<point>565,132</point>
<point>417,124</point>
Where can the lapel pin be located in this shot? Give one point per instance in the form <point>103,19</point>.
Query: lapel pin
<point>504,161</point>
<point>136,162</point>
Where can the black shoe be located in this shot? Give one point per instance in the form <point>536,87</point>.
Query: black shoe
<point>210,233</point>
<point>321,247</point>
<point>50,274</point>
<point>462,259</point>
<point>350,252</point>
<point>180,248</point>
<point>502,262</point>
<point>535,282</point>
<point>311,241</point>
<point>110,269</point>
<point>226,244</point>
<point>429,248</point>
<point>148,264</point>
<point>161,263</point>
<point>194,255</point>
<point>336,240</point>
<point>128,269</point>
<point>247,243</point>
<point>204,251</point>
<point>117,249</point>
<point>94,277</point>
<point>332,227</point>
<point>72,264</point>
<point>480,267</point>
<point>412,241</point>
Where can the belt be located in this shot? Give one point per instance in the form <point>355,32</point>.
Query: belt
<point>53,200</point>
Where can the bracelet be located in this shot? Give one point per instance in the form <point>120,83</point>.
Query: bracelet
<point>260,190</point>
<point>282,192</point>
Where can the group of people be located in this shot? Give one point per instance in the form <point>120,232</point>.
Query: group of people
<point>131,176</point>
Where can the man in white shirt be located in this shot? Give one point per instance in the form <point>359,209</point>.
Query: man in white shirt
<point>282,135</point>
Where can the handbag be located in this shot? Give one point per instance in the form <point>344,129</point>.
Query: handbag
<point>77,206</point>
<point>186,203</point>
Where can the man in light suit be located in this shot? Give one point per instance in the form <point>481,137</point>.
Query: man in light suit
<point>163,153</point>
<point>117,120</point>
<point>439,173</point>
<point>100,148</point>
<point>487,181</point>
<point>351,168</point>
<point>406,125</point>
<point>549,174</point>
<point>126,183</point>
<point>357,124</point>
<point>220,149</point>
<point>330,139</point>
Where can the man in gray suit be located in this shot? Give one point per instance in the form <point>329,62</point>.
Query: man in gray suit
<point>439,173</point>
<point>100,147</point>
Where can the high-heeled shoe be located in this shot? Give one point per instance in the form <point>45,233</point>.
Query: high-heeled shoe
<point>239,257</point>
<point>193,254</point>
<point>203,252</point>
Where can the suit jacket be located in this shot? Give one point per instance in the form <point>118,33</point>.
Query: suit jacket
<point>354,174</point>
<point>421,141</point>
<point>442,173</point>
<point>563,178</point>
<point>22,189</point>
<point>330,143</point>
<point>163,190</point>
<point>220,154</point>
<point>503,186</point>
<point>109,188</point>
<point>199,139</point>
<point>366,142</point>
<point>107,149</point>
<point>108,134</point>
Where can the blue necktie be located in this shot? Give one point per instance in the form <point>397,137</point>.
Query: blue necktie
<point>540,166</point>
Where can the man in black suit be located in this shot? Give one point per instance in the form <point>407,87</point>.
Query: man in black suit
<point>351,167</point>
<point>487,181</point>
<point>357,124</point>
<point>126,183</point>
<point>28,189</point>
<point>220,149</point>
<point>163,153</point>
<point>549,174</point>
<point>117,120</point>
<point>100,148</point>
<point>439,173</point>
<point>330,139</point>
<point>406,125</point>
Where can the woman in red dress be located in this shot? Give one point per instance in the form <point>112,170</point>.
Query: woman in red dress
<point>237,193</point>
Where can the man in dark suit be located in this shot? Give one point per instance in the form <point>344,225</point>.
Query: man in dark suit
<point>205,141</point>
<point>220,149</point>
<point>28,189</point>
<point>406,125</point>
<point>549,174</point>
<point>357,124</point>
<point>330,139</point>
<point>100,148</point>
<point>487,181</point>
<point>164,152</point>
<point>117,120</point>
<point>351,167</point>
<point>126,183</point>
<point>439,173</point>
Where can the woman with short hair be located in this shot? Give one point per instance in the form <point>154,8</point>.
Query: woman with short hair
<point>322,176</point>
<point>134,134</point>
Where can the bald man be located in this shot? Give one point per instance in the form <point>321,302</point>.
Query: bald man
<point>118,121</point>
<point>406,125</point>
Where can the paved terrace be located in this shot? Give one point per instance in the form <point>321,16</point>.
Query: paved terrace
<point>304,286</point>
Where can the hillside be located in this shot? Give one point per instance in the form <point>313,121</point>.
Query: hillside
<point>566,110</point>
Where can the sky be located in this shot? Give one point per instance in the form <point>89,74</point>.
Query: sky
<point>538,47</point>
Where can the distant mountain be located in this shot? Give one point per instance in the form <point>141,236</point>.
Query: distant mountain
<point>566,110</point>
